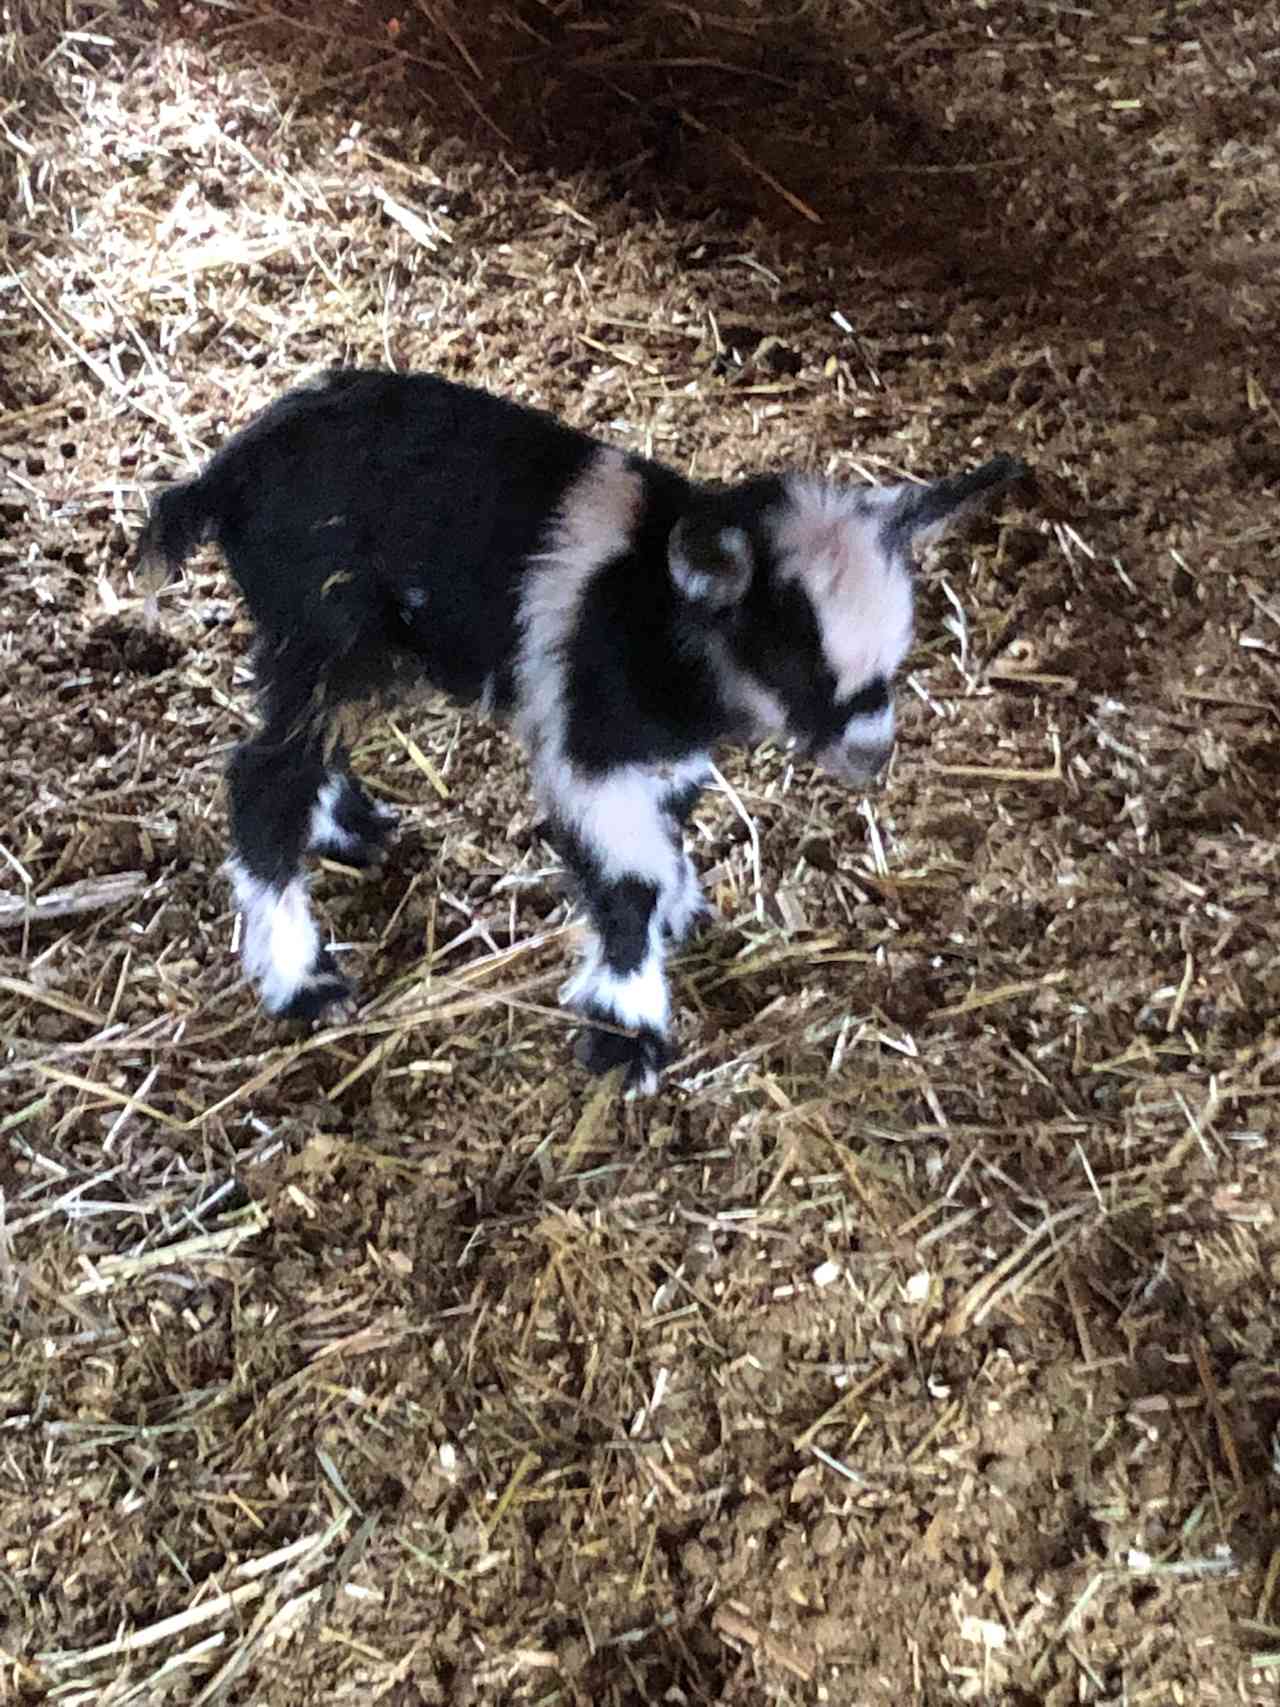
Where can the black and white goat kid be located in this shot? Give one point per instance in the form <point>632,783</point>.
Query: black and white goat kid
<point>386,529</point>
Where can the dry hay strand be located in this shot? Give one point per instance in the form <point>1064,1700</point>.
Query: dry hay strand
<point>31,34</point>
<point>29,31</point>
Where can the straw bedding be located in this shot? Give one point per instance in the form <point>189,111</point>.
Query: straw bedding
<point>917,1341</point>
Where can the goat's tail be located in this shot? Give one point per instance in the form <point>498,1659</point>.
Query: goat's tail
<point>181,518</point>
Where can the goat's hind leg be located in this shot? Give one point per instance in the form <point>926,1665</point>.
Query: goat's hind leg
<point>275,783</point>
<point>346,823</point>
<point>685,907</point>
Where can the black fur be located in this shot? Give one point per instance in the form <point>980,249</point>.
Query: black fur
<point>925,510</point>
<point>273,779</point>
<point>643,1054</point>
<point>341,502</point>
<point>324,988</point>
<point>680,804</point>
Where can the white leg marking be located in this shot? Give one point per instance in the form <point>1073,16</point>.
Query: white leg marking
<point>687,773</point>
<point>620,819</point>
<point>622,823</point>
<point>572,993</point>
<point>870,728</point>
<point>684,902</point>
<point>324,829</point>
<point>281,941</point>
<point>634,1000</point>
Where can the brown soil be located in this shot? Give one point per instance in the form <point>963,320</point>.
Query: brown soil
<point>918,1342</point>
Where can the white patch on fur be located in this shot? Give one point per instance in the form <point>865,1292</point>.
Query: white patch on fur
<point>684,902</point>
<point>829,539</point>
<point>870,728</point>
<point>634,1000</point>
<point>324,829</point>
<point>620,817</point>
<point>281,942</point>
<point>694,772</point>
<point>597,515</point>
<point>571,993</point>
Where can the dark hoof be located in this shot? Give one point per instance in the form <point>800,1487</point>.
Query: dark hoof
<point>324,989</point>
<point>643,1055</point>
<point>360,855</point>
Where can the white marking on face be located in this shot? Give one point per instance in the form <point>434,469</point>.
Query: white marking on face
<point>595,520</point>
<point>829,540</point>
<point>281,941</point>
<point>324,830</point>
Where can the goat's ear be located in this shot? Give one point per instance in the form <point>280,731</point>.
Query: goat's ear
<point>710,565</point>
<point>921,514</point>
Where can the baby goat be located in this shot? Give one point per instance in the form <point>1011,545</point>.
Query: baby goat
<point>386,529</point>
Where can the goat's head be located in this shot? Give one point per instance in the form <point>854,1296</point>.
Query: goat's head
<point>804,591</point>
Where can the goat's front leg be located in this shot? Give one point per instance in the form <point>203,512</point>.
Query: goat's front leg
<point>616,838</point>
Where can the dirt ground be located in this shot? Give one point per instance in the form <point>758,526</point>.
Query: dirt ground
<point>918,1341</point>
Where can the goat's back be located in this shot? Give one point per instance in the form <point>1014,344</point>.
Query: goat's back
<point>382,513</point>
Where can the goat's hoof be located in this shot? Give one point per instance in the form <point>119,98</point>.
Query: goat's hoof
<point>323,990</point>
<point>359,853</point>
<point>644,1055</point>
<point>369,820</point>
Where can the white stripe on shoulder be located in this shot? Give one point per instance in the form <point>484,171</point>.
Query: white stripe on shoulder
<point>597,515</point>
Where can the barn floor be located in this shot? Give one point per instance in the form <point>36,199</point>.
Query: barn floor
<point>918,1342</point>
